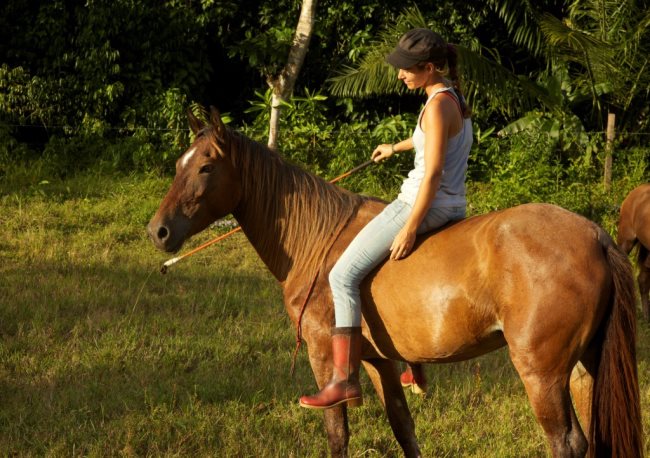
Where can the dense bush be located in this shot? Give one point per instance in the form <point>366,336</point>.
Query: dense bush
<point>528,167</point>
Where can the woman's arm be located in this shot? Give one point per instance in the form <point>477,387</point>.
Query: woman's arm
<point>436,125</point>
<point>386,150</point>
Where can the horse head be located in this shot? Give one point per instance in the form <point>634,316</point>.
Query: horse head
<point>204,189</point>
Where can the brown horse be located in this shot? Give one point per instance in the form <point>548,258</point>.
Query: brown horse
<point>633,230</point>
<point>546,282</point>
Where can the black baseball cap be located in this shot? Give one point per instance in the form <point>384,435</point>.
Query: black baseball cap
<point>415,46</point>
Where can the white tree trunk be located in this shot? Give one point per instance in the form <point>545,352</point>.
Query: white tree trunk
<point>283,84</point>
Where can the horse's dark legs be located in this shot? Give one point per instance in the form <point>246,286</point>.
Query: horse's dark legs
<point>644,289</point>
<point>644,281</point>
<point>626,243</point>
<point>338,434</point>
<point>626,237</point>
<point>336,418</point>
<point>385,378</point>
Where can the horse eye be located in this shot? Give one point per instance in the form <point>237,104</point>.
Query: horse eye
<point>207,168</point>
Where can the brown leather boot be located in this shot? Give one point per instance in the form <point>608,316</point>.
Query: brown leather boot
<point>414,377</point>
<point>344,386</point>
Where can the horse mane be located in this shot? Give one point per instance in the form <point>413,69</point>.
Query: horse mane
<point>307,212</point>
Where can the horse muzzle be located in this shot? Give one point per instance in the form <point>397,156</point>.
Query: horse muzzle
<point>165,236</point>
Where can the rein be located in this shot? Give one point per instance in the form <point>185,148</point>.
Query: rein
<point>294,355</point>
<point>313,283</point>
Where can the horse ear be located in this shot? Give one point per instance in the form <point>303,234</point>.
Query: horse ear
<point>195,123</point>
<point>215,120</point>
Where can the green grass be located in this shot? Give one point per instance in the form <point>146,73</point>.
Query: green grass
<point>100,355</point>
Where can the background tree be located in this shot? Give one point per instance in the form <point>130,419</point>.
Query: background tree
<point>283,84</point>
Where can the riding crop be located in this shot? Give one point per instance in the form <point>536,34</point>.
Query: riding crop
<point>172,261</point>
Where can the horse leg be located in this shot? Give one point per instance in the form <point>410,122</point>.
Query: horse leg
<point>582,384</point>
<point>644,289</point>
<point>626,237</point>
<point>385,378</point>
<point>644,281</point>
<point>338,434</point>
<point>336,418</point>
<point>548,392</point>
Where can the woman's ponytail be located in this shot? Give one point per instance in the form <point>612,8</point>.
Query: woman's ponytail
<point>452,63</point>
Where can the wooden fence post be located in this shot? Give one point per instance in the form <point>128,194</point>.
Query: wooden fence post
<point>609,145</point>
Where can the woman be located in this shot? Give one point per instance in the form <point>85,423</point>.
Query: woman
<point>432,195</point>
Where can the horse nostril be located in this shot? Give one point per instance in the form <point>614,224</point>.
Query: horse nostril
<point>163,233</point>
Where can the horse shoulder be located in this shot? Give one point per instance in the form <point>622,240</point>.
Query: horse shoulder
<point>634,215</point>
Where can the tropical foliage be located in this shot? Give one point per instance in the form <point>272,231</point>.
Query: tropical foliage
<point>110,82</point>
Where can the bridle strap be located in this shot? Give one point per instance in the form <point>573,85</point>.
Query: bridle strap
<point>299,323</point>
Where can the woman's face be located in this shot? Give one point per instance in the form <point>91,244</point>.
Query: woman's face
<point>416,76</point>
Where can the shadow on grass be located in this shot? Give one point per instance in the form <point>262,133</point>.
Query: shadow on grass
<point>90,345</point>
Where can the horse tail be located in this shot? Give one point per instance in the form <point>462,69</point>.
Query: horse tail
<point>616,428</point>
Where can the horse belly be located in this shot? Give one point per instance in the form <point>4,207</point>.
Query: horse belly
<point>428,310</point>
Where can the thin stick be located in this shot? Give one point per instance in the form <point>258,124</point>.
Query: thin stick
<point>172,261</point>
<point>356,169</point>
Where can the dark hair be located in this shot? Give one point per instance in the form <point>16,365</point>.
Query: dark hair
<point>447,58</point>
<point>452,64</point>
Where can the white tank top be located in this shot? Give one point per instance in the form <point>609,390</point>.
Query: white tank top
<point>451,192</point>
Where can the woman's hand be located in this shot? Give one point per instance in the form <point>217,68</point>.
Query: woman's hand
<point>383,152</point>
<point>402,244</point>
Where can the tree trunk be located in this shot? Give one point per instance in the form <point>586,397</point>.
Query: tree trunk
<point>609,145</point>
<point>283,84</point>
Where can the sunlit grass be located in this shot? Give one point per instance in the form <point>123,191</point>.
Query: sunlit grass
<point>101,355</point>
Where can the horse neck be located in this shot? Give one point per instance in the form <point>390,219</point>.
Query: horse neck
<point>290,216</point>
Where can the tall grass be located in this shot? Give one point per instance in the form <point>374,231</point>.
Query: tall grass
<point>100,355</point>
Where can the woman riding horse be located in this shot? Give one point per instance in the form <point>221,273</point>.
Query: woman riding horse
<point>432,195</point>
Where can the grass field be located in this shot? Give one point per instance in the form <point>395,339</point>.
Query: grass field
<point>100,355</point>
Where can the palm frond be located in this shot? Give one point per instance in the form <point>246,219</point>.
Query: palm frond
<point>373,75</point>
<point>521,20</point>
<point>503,90</point>
<point>597,56</point>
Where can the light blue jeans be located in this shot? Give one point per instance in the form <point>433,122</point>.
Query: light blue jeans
<point>369,248</point>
